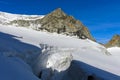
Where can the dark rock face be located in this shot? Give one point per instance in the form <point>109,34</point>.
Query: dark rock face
<point>115,41</point>
<point>58,21</point>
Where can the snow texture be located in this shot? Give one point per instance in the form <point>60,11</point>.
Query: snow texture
<point>25,44</point>
<point>7,17</point>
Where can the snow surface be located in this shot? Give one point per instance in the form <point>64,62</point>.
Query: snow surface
<point>7,17</point>
<point>92,57</point>
<point>115,51</point>
<point>13,68</point>
<point>51,62</point>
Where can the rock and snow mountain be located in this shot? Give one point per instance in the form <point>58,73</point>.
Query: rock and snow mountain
<point>20,20</point>
<point>6,18</point>
<point>114,42</point>
<point>40,55</point>
<point>56,21</point>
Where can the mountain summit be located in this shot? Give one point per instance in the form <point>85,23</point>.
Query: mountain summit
<point>115,41</point>
<point>56,21</point>
<point>60,22</point>
<point>58,13</point>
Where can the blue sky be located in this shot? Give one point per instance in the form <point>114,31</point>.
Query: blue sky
<point>102,17</point>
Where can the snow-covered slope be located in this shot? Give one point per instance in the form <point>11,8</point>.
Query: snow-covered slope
<point>115,51</point>
<point>7,17</point>
<point>92,57</point>
<point>13,68</point>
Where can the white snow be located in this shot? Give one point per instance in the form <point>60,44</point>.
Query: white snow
<point>7,17</point>
<point>51,62</point>
<point>58,59</point>
<point>91,56</point>
<point>115,51</point>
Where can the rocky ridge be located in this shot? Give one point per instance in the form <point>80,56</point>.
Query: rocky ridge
<point>59,22</point>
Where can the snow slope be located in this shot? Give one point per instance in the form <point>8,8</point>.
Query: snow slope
<point>13,68</point>
<point>92,57</point>
<point>115,51</point>
<point>7,17</point>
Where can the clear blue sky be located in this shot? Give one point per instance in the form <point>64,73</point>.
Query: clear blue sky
<point>102,17</point>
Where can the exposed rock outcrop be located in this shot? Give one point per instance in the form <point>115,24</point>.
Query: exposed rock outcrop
<point>115,41</point>
<point>58,21</point>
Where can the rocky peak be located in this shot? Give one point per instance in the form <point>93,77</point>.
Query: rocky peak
<point>115,41</point>
<point>58,13</point>
<point>60,22</point>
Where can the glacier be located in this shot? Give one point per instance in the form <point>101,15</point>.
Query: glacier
<point>35,55</point>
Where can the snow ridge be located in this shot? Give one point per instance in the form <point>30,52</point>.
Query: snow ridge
<point>7,17</point>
